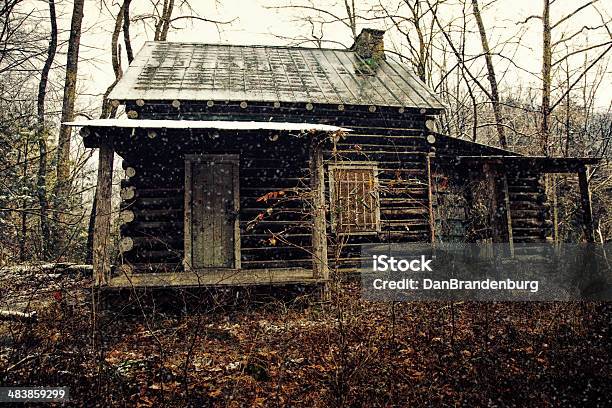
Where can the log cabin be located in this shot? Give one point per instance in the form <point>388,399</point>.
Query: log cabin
<point>252,165</point>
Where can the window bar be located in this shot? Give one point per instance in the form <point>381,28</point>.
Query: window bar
<point>368,196</point>
<point>363,198</point>
<point>357,203</point>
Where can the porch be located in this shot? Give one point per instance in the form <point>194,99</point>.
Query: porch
<point>217,278</point>
<point>512,187</point>
<point>213,217</point>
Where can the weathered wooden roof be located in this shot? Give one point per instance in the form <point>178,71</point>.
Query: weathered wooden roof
<point>203,72</point>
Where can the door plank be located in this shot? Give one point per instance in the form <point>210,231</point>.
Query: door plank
<point>224,192</point>
<point>213,224</point>
<point>207,242</point>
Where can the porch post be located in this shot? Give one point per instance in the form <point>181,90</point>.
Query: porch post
<point>430,210</point>
<point>101,235</point>
<point>587,210</point>
<point>506,215</point>
<point>320,268</point>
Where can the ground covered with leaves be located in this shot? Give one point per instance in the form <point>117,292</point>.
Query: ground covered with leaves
<point>268,348</point>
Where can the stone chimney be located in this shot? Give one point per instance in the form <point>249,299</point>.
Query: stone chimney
<point>370,45</point>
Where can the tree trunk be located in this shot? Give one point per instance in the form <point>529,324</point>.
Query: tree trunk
<point>163,26</point>
<point>108,110</point>
<point>101,241</point>
<point>126,31</point>
<point>421,58</point>
<point>546,78</point>
<point>63,146</point>
<point>351,14</point>
<point>490,75</point>
<point>545,126</point>
<point>115,48</point>
<point>90,230</point>
<point>41,181</point>
<point>24,204</point>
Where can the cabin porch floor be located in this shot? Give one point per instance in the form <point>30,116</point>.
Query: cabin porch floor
<point>217,277</point>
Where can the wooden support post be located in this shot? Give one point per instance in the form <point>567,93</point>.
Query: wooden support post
<point>432,217</point>
<point>506,216</point>
<point>101,237</point>
<point>489,173</point>
<point>552,179</point>
<point>587,210</point>
<point>319,231</point>
<point>501,219</point>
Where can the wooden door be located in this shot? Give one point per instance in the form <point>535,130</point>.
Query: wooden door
<point>211,212</point>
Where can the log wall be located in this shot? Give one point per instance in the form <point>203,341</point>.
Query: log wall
<point>529,210</point>
<point>396,141</point>
<point>282,239</point>
<point>158,202</point>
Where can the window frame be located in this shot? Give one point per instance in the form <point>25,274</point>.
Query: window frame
<point>354,165</point>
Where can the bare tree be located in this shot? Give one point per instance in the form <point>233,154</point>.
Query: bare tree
<point>317,16</point>
<point>108,110</point>
<point>494,95</point>
<point>459,56</point>
<point>41,182</point>
<point>164,17</point>
<point>20,39</point>
<point>549,52</point>
<point>62,185</point>
<point>163,23</point>
<point>546,76</point>
<point>417,23</point>
<point>126,31</point>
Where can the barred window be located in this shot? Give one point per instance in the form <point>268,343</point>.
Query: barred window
<point>354,197</point>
